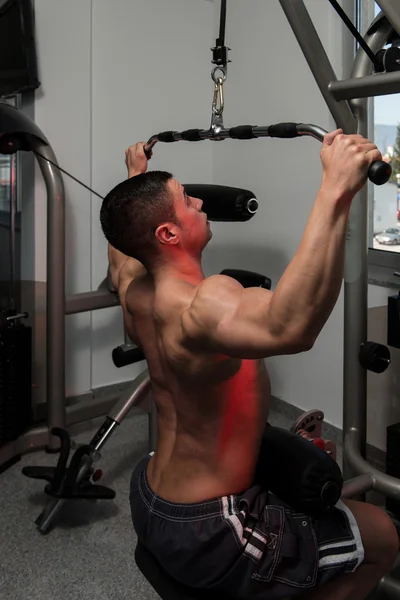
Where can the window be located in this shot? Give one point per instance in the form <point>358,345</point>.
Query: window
<point>384,240</point>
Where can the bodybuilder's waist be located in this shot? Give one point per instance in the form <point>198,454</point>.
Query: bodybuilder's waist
<point>193,479</point>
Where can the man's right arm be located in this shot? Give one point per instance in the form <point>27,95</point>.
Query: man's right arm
<point>255,323</point>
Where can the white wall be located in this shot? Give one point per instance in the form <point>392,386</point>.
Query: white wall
<point>62,111</point>
<point>113,73</point>
<point>150,73</point>
<point>117,72</point>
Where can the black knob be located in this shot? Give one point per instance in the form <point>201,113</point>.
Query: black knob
<point>374,357</point>
<point>379,172</point>
<point>330,493</point>
<point>252,206</point>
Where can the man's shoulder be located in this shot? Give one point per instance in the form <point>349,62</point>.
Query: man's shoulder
<point>214,288</point>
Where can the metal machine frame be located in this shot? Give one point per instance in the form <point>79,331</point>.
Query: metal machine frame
<point>352,117</point>
<point>17,124</point>
<point>348,103</point>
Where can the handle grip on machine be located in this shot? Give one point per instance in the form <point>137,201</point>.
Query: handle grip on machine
<point>379,171</point>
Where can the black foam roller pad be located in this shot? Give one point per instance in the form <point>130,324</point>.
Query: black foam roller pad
<point>224,203</point>
<point>302,475</point>
<point>191,135</point>
<point>167,136</point>
<point>242,132</point>
<point>127,355</point>
<point>283,130</point>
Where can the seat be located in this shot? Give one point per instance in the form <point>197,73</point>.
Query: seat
<point>165,586</point>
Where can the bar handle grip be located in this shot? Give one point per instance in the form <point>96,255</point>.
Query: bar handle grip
<point>283,130</point>
<point>379,172</point>
<point>242,132</point>
<point>191,135</point>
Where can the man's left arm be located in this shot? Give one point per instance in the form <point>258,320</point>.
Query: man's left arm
<point>123,269</point>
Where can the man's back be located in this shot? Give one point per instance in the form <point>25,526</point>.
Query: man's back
<point>211,408</point>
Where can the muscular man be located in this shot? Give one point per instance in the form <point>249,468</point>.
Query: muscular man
<point>193,502</point>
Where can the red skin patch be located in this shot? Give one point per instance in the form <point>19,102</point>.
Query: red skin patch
<point>241,411</point>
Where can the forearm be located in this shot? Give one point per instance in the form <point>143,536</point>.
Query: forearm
<point>308,290</point>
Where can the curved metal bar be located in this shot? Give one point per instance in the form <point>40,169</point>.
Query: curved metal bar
<point>381,482</point>
<point>225,133</point>
<point>14,121</point>
<point>55,326</point>
<point>312,130</point>
<point>359,485</point>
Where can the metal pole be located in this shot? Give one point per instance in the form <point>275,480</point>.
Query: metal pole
<point>381,482</point>
<point>379,84</point>
<point>88,301</point>
<point>356,274</point>
<point>13,208</point>
<point>318,61</point>
<point>358,485</point>
<point>133,397</point>
<point>55,336</point>
<point>392,11</point>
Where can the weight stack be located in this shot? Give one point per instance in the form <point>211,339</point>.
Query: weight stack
<point>15,381</point>
<point>393,464</point>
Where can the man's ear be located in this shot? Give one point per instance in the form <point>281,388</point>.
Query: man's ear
<point>167,233</point>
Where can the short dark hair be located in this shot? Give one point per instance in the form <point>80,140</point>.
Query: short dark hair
<point>132,211</point>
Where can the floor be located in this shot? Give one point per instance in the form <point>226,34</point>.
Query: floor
<point>89,554</point>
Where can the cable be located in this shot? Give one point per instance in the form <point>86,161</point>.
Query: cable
<point>354,31</point>
<point>69,174</point>
<point>222,24</point>
<point>220,52</point>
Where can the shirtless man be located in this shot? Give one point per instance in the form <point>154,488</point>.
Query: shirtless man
<point>194,505</point>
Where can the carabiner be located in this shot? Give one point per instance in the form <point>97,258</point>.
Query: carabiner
<point>218,99</point>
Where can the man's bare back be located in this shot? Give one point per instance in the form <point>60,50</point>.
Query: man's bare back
<point>193,392</point>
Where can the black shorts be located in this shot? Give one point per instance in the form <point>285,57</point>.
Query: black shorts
<point>249,546</point>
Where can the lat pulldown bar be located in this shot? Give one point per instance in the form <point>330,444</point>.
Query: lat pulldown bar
<point>379,172</point>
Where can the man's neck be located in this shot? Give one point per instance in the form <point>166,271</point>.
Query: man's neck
<point>185,268</point>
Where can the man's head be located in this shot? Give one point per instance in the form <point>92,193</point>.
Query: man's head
<point>150,218</point>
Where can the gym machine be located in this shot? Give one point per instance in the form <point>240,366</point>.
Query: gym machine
<point>19,133</point>
<point>347,101</point>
